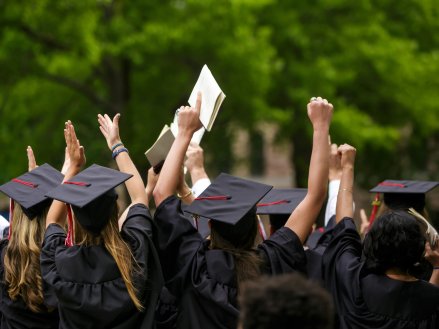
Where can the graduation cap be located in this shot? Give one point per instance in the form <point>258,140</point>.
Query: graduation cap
<point>91,194</point>
<point>279,204</point>
<point>281,201</point>
<point>230,203</point>
<point>404,194</point>
<point>29,189</point>
<point>228,199</point>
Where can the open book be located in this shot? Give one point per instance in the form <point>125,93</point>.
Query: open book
<point>160,149</point>
<point>212,97</point>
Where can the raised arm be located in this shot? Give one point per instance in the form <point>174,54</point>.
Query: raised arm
<point>57,211</point>
<point>345,193</point>
<point>169,180</point>
<point>303,217</point>
<point>134,185</point>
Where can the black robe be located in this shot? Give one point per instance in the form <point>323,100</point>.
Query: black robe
<point>88,283</point>
<point>15,314</point>
<point>203,280</point>
<point>366,300</point>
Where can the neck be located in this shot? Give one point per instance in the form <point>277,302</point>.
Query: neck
<point>397,274</point>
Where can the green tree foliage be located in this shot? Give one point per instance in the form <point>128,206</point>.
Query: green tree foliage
<point>375,60</point>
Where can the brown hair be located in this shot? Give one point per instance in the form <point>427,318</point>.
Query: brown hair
<point>112,240</point>
<point>239,241</point>
<point>22,260</point>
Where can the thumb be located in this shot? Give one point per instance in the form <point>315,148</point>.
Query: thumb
<point>116,119</point>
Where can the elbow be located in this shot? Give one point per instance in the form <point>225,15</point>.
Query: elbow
<point>158,196</point>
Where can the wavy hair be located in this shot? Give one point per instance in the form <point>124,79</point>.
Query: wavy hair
<point>112,240</point>
<point>22,260</point>
<point>395,240</point>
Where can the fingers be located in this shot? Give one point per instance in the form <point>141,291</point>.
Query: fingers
<point>32,164</point>
<point>334,149</point>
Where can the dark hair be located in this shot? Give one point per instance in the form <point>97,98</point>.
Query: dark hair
<point>395,240</point>
<point>285,301</point>
<point>239,241</point>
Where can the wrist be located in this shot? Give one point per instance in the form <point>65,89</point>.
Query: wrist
<point>115,144</point>
<point>197,173</point>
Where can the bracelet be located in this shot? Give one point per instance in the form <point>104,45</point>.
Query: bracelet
<point>184,196</point>
<point>115,146</point>
<point>346,189</point>
<point>117,152</point>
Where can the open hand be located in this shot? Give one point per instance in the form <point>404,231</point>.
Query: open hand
<point>110,129</point>
<point>75,150</point>
<point>320,113</point>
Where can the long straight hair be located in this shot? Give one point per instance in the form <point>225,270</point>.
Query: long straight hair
<point>112,240</point>
<point>239,241</point>
<point>22,260</point>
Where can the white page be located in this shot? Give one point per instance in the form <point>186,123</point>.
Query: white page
<point>210,90</point>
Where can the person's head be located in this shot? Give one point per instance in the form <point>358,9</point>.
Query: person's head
<point>395,240</point>
<point>285,301</point>
<point>229,202</point>
<point>29,207</point>
<point>93,200</point>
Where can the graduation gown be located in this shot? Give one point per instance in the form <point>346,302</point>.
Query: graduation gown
<point>15,314</point>
<point>88,283</point>
<point>202,279</point>
<point>366,300</point>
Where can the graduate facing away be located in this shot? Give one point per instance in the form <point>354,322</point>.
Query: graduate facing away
<point>379,290</point>
<point>23,303</point>
<point>105,273</point>
<point>206,275</point>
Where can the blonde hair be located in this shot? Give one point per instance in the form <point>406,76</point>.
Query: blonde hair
<point>112,240</point>
<point>22,260</point>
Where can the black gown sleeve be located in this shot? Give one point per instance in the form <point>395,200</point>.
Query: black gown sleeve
<point>180,246</point>
<point>283,253</point>
<point>341,266</point>
<point>54,240</point>
<point>138,232</point>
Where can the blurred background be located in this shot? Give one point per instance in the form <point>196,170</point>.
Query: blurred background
<point>377,61</point>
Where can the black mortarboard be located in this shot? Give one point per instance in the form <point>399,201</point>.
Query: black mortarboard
<point>228,199</point>
<point>281,201</point>
<point>91,194</point>
<point>404,194</point>
<point>29,189</point>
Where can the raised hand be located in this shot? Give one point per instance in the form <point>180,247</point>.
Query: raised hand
<point>110,129</point>
<point>334,163</point>
<point>347,153</point>
<point>32,164</point>
<point>75,151</point>
<point>195,157</point>
<point>189,117</point>
<point>320,113</point>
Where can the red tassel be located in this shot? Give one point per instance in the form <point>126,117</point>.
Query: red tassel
<point>70,231</point>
